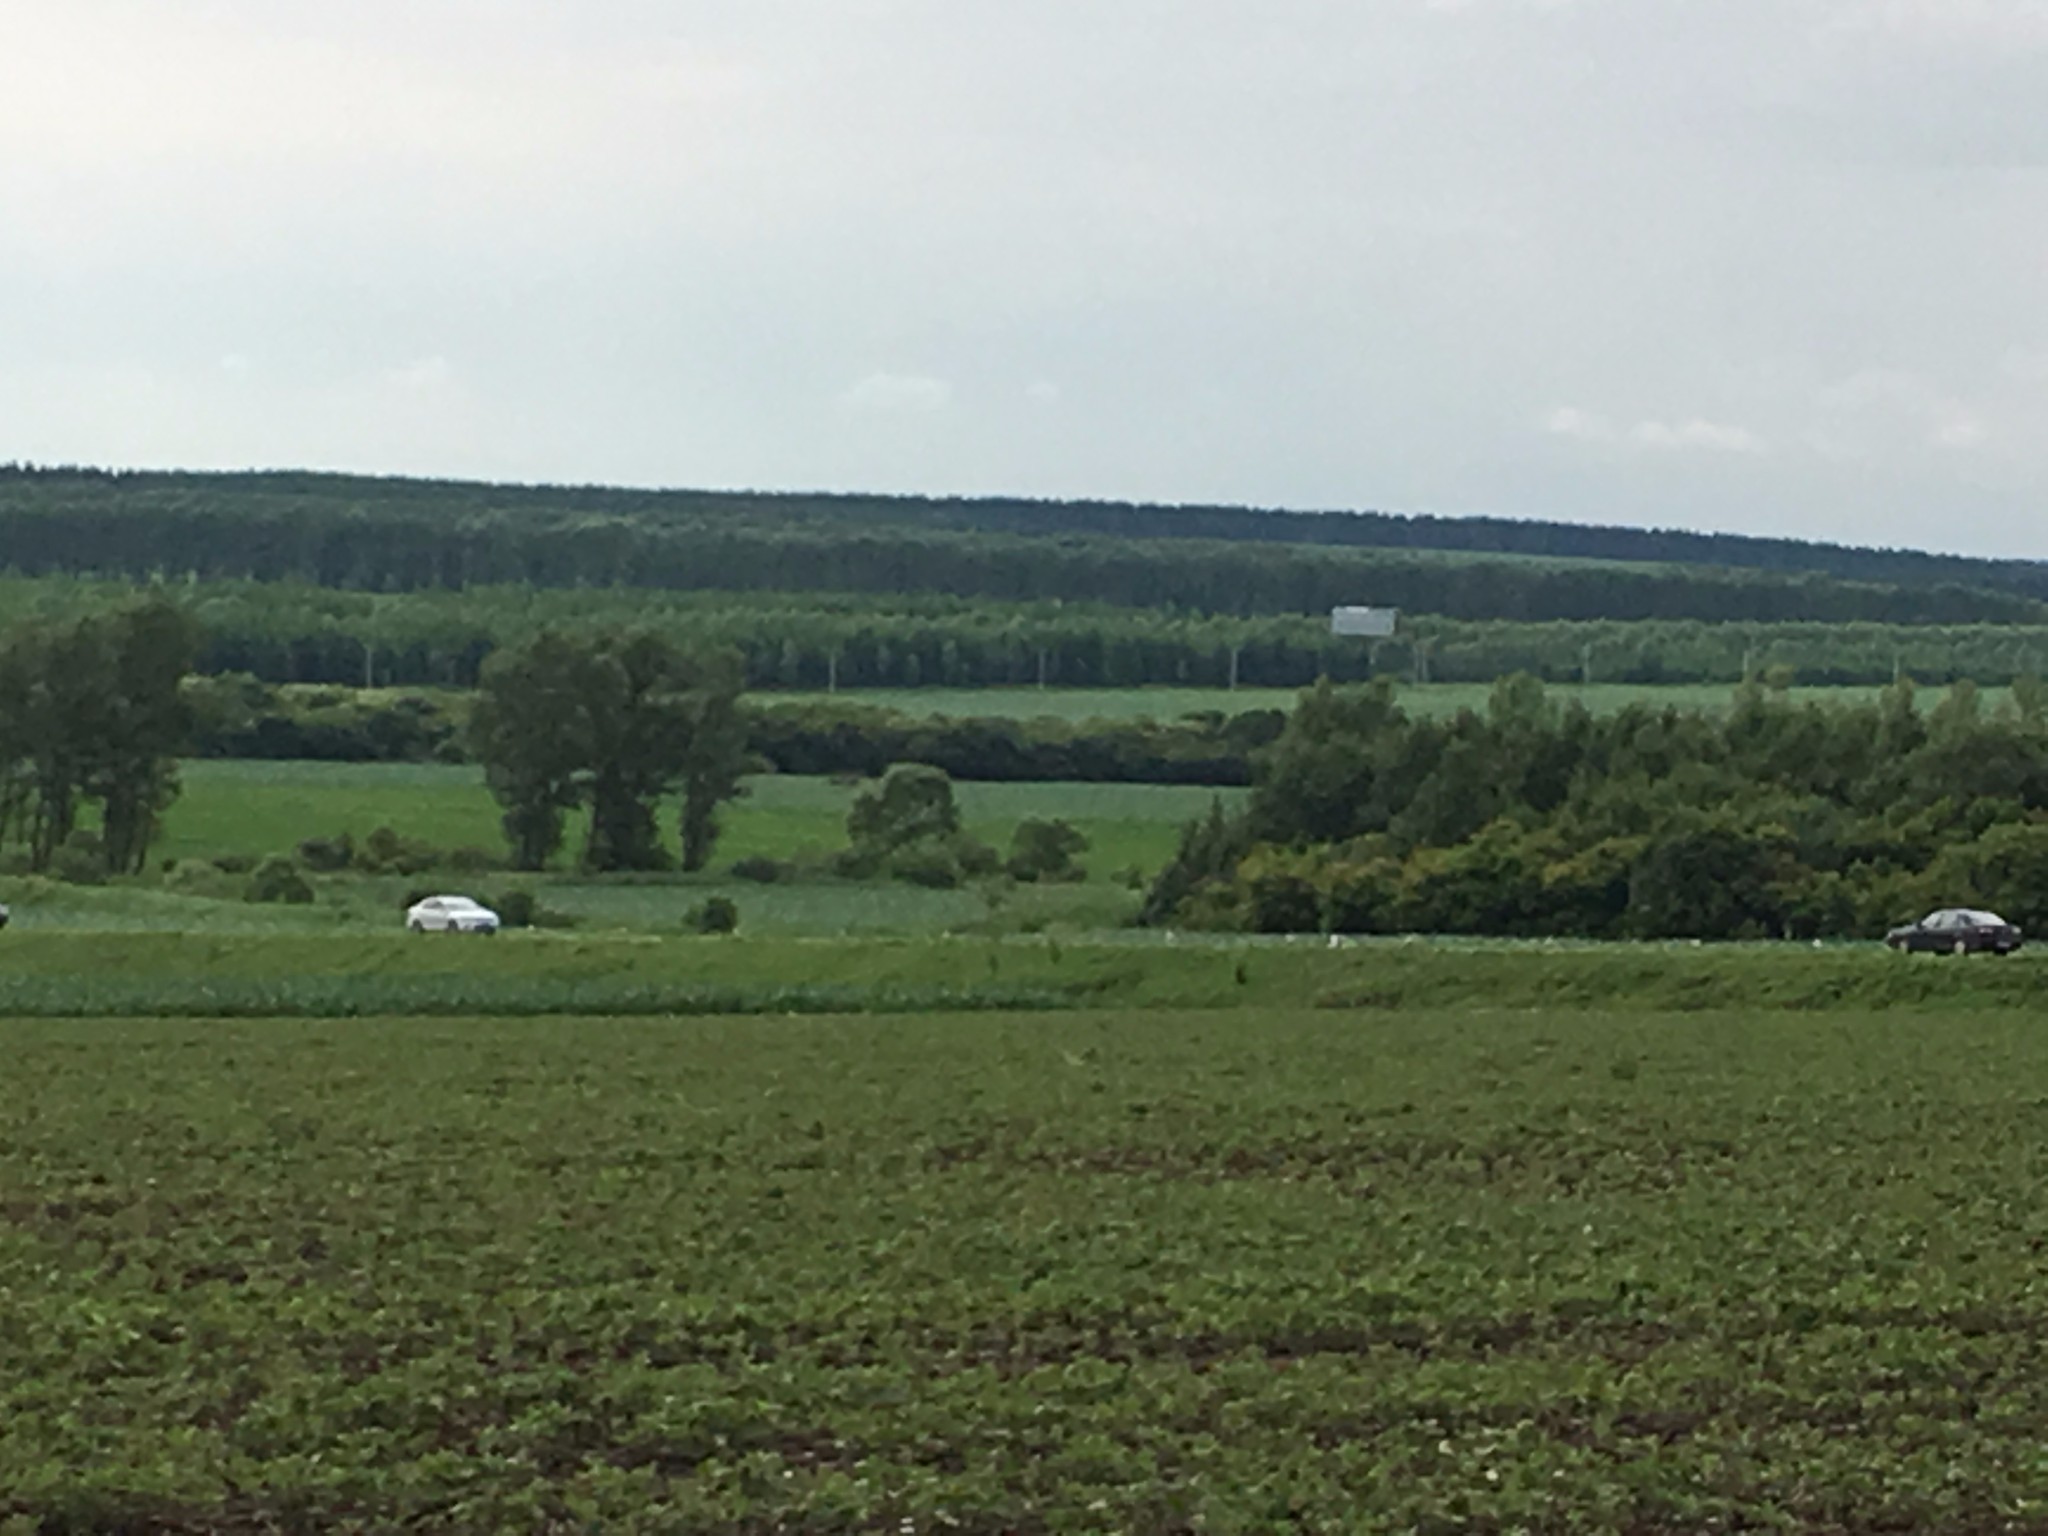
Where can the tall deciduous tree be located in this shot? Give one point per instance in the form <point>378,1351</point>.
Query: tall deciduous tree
<point>531,729</point>
<point>613,723</point>
<point>91,710</point>
<point>715,752</point>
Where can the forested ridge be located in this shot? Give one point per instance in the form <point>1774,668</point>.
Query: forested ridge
<point>393,535</point>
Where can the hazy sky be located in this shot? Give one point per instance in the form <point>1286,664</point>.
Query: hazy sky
<point>1764,265</point>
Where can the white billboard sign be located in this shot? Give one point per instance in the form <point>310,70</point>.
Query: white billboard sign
<point>1373,623</point>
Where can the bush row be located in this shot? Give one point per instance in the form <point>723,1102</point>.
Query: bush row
<point>239,717</point>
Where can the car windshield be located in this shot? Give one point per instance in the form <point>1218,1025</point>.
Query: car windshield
<point>1985,919</point>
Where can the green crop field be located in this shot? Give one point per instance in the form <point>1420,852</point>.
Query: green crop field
<point>1542,1271</point>
<point>76,971</point>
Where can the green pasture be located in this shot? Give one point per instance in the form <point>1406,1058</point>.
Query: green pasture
<point>258,808</point>
<point>1324,1270</point>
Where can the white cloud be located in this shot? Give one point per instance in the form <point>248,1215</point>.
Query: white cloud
<point>1877,412</point>
<point>1586,426</point>
<point>2003,23</point>
<point>1958,426</point>
<point>92,82</point>
<point>1459,7</point>
<point>1694,433</point>
<point>1713,436</point>
<point>2025,366</point>
<point>423,375</point>
<point>899,394</point>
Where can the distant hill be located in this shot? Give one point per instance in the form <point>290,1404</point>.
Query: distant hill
<point>377,533</point>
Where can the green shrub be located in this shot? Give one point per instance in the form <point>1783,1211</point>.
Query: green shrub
<point>975,858</point>
<point>278,880</point>
<point>385,852</point>
<point>718,914</point>
<point>81,860</point>
<point>202,877</point>
<point>328,855</point>
<point>913,803</point>
<point>1045,849</point>
<point>516,908</point>
<point>930,864</point>
<point>762,870</point>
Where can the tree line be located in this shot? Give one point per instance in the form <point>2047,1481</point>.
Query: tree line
<point>1477,535</point>
<point>239,717</point>
<point>1534,818</point>
<point>371,536</point>
<point>289,632</point>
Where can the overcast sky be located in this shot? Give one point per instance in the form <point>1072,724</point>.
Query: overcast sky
<point>1761,265</point>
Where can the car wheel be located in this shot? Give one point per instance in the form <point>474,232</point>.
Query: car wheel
<point>1960,947</point>
<point>417,926</point>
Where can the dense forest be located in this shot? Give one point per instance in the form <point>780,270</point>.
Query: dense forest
<point>400,536</point>
<point>1532,818</point>
<point>453,500</point>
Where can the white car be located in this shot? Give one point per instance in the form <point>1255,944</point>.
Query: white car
<point>450,914</point>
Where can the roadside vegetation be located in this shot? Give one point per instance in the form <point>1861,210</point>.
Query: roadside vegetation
<point>1772,820</point>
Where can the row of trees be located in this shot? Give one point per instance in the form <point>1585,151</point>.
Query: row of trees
<point>398,536</point>
<point>91,714</point>
<point>289,632</point>
<point>1534,819</point>
<point>239,717</point>
<point>614,724</point>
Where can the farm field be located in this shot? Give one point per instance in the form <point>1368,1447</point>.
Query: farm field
<point>1108,1271</point>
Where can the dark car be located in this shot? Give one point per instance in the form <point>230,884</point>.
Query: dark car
<point>1957,931</point>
